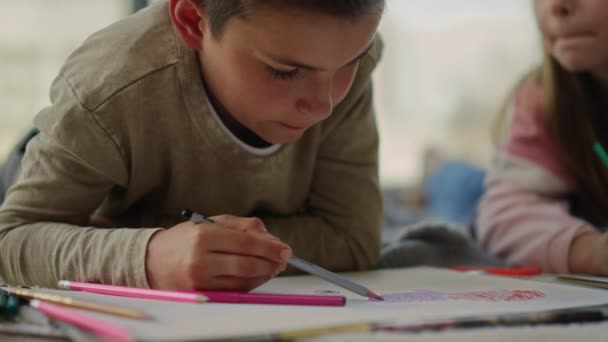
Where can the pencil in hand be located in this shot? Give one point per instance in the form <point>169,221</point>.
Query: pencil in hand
<point>304,265</point>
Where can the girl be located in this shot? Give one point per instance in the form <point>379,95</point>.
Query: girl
<point>546,202</point>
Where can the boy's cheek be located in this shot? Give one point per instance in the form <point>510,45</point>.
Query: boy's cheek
<point>344,81</point>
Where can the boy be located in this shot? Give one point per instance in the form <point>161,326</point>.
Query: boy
<point>258,112</point>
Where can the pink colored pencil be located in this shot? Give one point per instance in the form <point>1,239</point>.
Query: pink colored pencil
<point>133,292</point>
<point>94,325</point>
<point>272,298</point>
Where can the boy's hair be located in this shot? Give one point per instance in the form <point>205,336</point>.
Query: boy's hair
<point>219,11</point>
<point>576,109</point>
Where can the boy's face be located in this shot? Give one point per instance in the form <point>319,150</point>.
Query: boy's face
<point>281,71</point>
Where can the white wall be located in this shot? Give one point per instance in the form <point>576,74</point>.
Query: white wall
<point>447,66</point>
<point>36,36</point>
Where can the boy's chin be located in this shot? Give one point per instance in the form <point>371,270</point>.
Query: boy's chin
<point>282,138</point>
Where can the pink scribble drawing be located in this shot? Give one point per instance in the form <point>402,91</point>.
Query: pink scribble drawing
<point>419,296</point>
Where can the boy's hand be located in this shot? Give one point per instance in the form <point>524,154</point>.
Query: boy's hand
<point>245,224</point>
<point>234,253</point>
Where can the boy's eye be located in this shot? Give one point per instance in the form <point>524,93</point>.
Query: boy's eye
<point>283,75</point>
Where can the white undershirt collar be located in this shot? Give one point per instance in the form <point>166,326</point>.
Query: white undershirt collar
<point>258,151</point>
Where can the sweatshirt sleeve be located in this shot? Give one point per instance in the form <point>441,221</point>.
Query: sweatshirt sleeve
<point>524,214</point>
<point>66,173</point>
<point>526,227</point>
<point>341,226</point>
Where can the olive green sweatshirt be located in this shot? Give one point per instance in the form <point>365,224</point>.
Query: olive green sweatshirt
<point>130,133</point>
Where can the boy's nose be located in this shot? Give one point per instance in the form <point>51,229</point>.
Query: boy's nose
<point>319,102</point>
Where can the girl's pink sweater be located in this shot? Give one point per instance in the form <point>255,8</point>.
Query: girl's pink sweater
<point>524,215</point>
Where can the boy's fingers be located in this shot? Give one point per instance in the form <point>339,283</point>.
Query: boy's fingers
<point>235,242</point>
<point>242,223</point>
<point>239,266</point>
<point>246,224</point>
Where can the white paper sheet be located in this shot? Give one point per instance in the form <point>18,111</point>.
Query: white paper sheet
<point>451,294</point>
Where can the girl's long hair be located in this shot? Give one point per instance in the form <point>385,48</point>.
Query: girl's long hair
<point>577,114</point>
<point>500,124</point>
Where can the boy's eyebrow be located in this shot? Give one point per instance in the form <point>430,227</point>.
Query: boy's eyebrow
<point>293,63</point>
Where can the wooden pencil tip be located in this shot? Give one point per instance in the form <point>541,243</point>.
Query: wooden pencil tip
<point>202,299</point>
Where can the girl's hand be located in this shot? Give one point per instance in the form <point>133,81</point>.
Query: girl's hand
<point>234,253</point>
<point>589,254</point>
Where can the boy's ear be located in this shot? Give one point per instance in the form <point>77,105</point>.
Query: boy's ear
<point>189,19</point>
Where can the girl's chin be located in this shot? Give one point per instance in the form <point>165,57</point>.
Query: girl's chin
<point>575,63</point>
<point>575,66</point>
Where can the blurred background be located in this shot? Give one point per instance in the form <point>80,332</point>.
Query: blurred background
<point>447,69</point>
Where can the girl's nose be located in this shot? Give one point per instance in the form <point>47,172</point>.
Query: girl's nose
<point>563,8</point>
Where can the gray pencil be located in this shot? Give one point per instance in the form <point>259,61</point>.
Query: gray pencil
<point>332,277</point>
<point>304,265</point>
